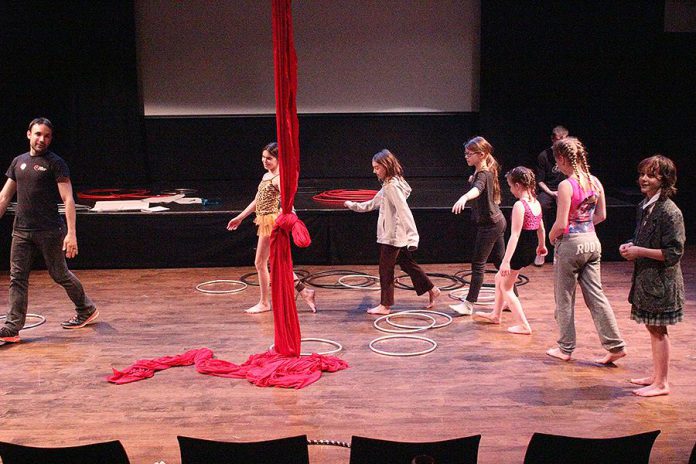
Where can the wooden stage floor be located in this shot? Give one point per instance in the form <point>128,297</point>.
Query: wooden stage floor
<point>480,379</point>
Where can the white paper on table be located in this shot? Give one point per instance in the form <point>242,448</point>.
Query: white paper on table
<point>120,205</point>
<point>167,199</point>
<point>189,201</point>
<point>154,209</point>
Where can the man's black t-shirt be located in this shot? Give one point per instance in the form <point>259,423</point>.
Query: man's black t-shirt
<point>37,190</point>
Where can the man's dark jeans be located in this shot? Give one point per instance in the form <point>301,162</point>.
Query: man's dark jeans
<point>25,246</point>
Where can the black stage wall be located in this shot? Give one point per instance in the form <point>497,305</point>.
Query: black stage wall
<point>604,69</point>
<point>75,63</point>
<point>332,146</point>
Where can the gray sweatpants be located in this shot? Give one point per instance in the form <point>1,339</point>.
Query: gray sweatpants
<point>577,260</point>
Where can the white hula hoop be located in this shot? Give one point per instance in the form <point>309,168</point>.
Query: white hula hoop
<point>397,353</point>
<point>338,346</point>
<point>486,295</point>
<point>358,287</point>
<point>422,311</point>
<point>41,320</point>
<point>242,287</point>
<point>403,331</point>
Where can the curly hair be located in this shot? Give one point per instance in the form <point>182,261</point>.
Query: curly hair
<point>662,168</point>
<point>483,147</point>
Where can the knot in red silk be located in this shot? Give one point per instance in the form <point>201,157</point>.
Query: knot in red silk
<point>289,222</point>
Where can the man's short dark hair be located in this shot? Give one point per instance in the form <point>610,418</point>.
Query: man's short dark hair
<point>43,121</point>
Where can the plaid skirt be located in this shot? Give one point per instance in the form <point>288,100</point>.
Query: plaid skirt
<point>650,318</point>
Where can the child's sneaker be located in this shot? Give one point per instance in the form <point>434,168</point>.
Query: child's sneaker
<point>465,308</point>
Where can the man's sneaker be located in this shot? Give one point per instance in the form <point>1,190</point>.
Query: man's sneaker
<point>8,336</point>
<point>465,308</point>
<point>81,320</point>
<point>539,260</point>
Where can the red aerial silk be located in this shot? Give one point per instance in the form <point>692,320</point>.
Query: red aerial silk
<point>264,369</point>
<point>283,366</point>
<point>287,325</point>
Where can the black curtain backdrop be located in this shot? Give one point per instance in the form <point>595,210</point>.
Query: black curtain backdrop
<point>75,63</point>
<point>605,70</point>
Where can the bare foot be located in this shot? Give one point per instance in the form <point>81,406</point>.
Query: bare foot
<point>381,309</point>
<point>434,294</point>
<point>611,357</point>
<point>642,381</point>
<point>308,296</point>
<point>489,318</point>
<point>520,330</point>
<point>653,390</point>
<point>258,308</point>
<point>557,353</point>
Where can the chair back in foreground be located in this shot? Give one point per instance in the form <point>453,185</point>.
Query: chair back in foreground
<point>550,449</point>
<point>456,451</point>
<point>290,450</point>
<point>110,452</point>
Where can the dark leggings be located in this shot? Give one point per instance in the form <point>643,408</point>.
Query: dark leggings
<point>489,242</point>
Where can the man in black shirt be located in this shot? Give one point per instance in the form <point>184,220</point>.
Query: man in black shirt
<point>39,177</point>
<point>548,177</point>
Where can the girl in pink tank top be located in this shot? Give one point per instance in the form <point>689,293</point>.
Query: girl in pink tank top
<point>527,240</point>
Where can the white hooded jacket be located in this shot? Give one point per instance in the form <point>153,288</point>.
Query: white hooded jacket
<point>395,225</point>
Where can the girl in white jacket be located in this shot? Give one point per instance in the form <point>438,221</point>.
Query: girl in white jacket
<point>397,235</point>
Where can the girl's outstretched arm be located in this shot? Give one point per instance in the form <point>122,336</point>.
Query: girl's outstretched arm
<point>366,206</point>
<point>237,220</point>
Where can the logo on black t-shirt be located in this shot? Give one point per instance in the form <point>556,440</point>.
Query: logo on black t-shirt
<point>39,168</point>
<point>23,166</point>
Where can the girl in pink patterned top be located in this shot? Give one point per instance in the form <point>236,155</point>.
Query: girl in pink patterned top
<point>527,240</point>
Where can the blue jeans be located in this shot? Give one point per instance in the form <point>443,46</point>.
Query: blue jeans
<point>25,246</point>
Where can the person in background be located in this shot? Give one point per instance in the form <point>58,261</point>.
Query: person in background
<point>548,177</point>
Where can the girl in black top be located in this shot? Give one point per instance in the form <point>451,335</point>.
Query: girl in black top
<point>484,196</point>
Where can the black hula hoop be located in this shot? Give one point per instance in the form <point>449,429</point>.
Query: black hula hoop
<point>456,281</point>
<point>310,280</point>
<point>521,278</point>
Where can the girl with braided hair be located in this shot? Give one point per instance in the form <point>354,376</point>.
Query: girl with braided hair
<point>266,205</point>
<point>527,240</point>
<point>581,205</point>
<point>484,198</point>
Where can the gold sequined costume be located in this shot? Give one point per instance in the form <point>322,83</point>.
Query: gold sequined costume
<point>267,207</point>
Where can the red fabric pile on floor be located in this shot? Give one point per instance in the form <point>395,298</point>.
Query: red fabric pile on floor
<point>268,369</point>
